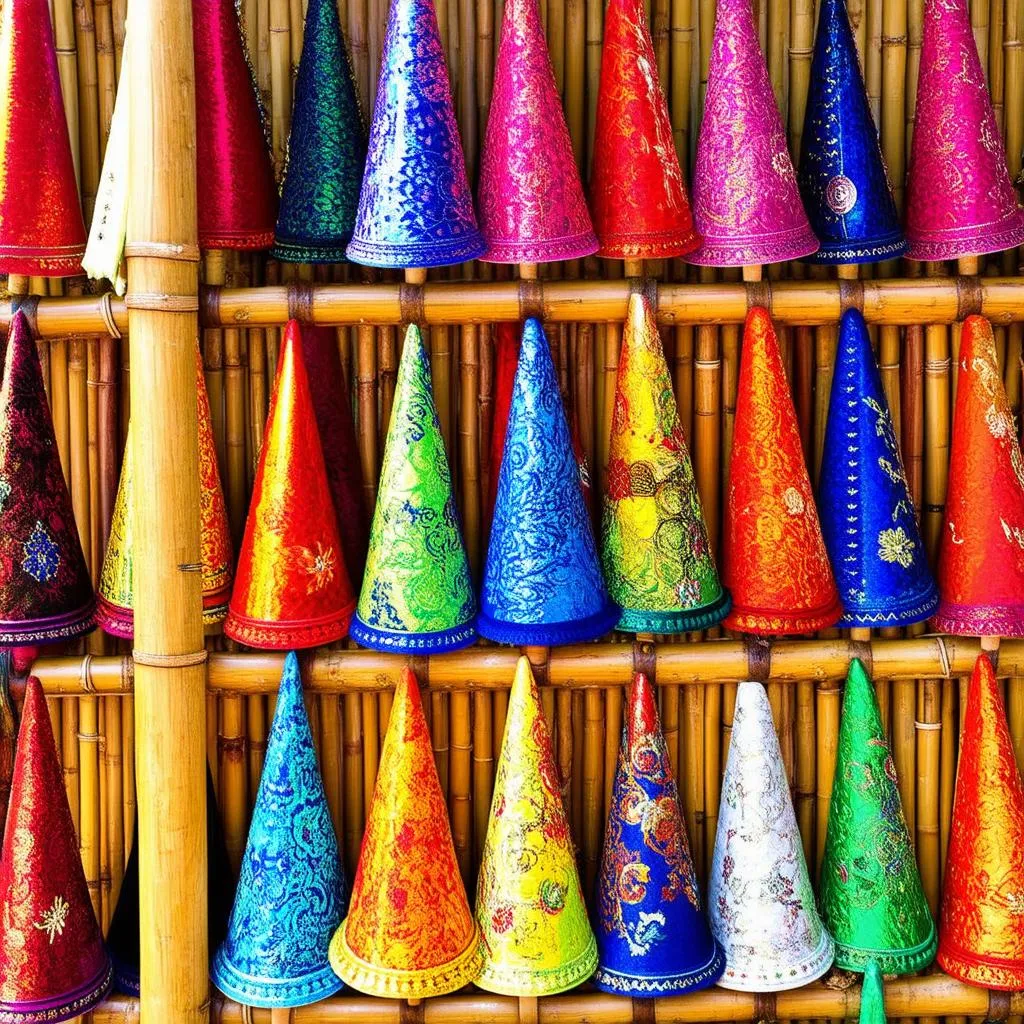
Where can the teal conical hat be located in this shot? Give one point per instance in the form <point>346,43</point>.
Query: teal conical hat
<point>417,594</point>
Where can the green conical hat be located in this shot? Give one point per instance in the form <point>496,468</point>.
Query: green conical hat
<point>872,995</point>
<point>871,895</point>
<point>417,594</point>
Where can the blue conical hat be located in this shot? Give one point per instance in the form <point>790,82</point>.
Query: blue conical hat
<point>842,174</point>
<point>542,583</point>
<point>652,938</point>
<point>290,896</point>
<point>867,517</point>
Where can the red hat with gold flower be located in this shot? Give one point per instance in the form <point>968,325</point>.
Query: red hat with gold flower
<point>292,589</point>
<point>774,557</point>
<point>52,962</point>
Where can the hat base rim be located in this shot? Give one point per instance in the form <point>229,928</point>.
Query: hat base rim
<point>118,621</point>
<point>273,994</point>
<point>553,250</point>
<point>552,634</point>
<point>906,614</point>
<point>390,983</point>
<point>901,961</point>
<point>394,256</point>
<point>635,620</point>
<point>937,246</point>
<point>512,981</point>
<point>38,261</point>
<point>126,977</point>
<point>288,635</point>
<point>50,629</point>
<point>331,250</point>
<point>961,620</point>
<point>648,245</point>
<point>868,250</point>
<point>389,640</point>
<point>732,252</point>
<point>618,984</point>
<point>66,1006</point>
<point>811,968</point>
<point>238,241</point>
<point>780,623</point>
<point>984,972</point>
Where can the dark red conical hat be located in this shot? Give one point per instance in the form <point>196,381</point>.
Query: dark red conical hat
<point>52,962</point>
<point>45,589</point>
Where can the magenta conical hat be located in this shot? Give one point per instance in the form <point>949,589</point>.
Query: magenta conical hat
<point>532,208</point>
<point>959,198</point>
<point>746,202</point>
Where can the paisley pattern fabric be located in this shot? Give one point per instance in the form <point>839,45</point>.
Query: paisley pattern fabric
<point>960,201</point>
<point>760,899</point>
<point>746,203</point>
<point>867,516</point>
<point>656,556</point>
<point>981,555</point>
<point>542,583</point>
<point>842,176</point>
<point>326,148</point>
<point>652,938</point>
<point>981,934</point>
<point>774,558</point>
<point>415,207</point>
<point>417,594</point>
<point>532,208</point>
<point>290,894</point>
<point>409,931</point>
<point>637,192</point>
<point>535,936</point>
<point>871,895</point>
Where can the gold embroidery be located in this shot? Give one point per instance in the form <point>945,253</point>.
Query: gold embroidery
<point>54,919</point>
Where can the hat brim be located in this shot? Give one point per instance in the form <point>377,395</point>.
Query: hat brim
<point>506,980</point>
<point>390,640</point>
<point>636,620</point>
<point>979,620</point>
<point>65,1006</point>
<point>270,993</point>
<point>549,634</point>
<point>51,629</point>
<point>288,635</point>
<point>618,984</point>
<point>898,613</point>
<point>399,255</point>
<point>812,967</point>
<point>986,972</point>
<point>775,622</point>
<point>890,961</point>
<point>868,250</point>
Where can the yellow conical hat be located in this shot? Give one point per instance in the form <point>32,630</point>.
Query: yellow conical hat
<point>535,935</point>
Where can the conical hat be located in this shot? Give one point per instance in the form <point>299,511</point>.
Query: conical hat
<point>535,936</point>
<point>959,198</point>
<point>867,515</point>
<point>637,191</point>
<point>981,940</point>
<point>45,590</point>
<point>409,933</point>
<point>235,185</point>
<point>760,899</point>
<point>326,148</point>
<point>417,594</point>
<point>291,586</point>
<point>774,558</point>
<point>657,559</point>
<point>746,203</point>
<point>54,964</point>
<point>41,226</point>
<point>652,938</point>
<point>532,208</point>
<point>981,555</point>
<point>116,592</point>
<point>542,583</point>
<point>842,174</point>
<point>415,206</point>
<point>290,894</point>
<point>871,895</point>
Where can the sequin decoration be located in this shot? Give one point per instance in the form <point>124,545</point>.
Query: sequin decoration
<point>415,207</point>
<point>291,892</point>
<point>959,198</point>
<point>42,557</point>
<point>871,896</point>
<point>656,556</point>
<point>746,204</point>
<point>417,593</point>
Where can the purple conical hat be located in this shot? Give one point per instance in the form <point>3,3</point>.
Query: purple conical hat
<point>746,203</point>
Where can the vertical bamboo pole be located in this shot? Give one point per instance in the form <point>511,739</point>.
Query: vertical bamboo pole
<point>170,699</point>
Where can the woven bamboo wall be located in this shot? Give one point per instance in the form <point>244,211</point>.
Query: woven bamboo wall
<point>87,378</point>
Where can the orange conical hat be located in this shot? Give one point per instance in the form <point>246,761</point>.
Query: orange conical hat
<point>291,587</point>
<point>409,931</point>
<point>775,562</point>
<point>981,935</point>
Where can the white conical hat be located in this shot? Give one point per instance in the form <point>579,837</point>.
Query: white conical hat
<point>760,898</point>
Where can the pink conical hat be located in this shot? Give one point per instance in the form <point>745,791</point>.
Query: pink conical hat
<point>746,202</point>
<point>959,198</point>
<point>532,208</point>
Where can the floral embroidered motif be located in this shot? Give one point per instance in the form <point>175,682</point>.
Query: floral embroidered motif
<point>42,556</point>
<point>896,546</point>
<point>54,919</point>
<point>318,565</point>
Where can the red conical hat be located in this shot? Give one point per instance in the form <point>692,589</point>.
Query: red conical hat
<point>41,226</point>
<point>981,556</point>
<point>291,587</point>
<point>52,962</point>
<point>981,937</point>
<point>506,359</point>
<point>637,192</point>
<point>45,589</point>
<point>237,195</point>
<point>774,557</point>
